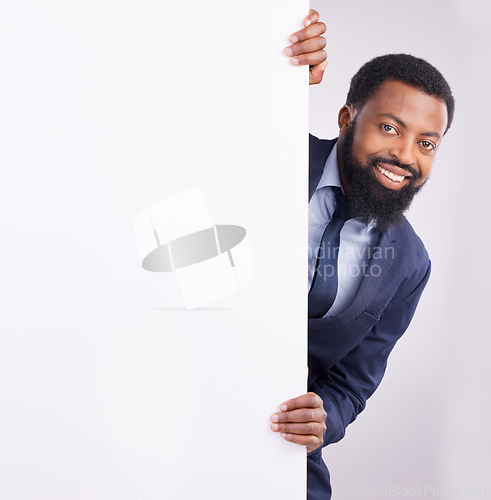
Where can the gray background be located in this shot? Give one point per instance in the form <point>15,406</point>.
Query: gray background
<point>427,425</point>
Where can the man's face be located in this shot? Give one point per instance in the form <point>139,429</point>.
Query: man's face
<point>389,149</point>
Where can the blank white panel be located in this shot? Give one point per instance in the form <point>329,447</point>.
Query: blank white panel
<point>144,233</point>
<point>180,215</point>
<point>207,281</point>
<point>109,387</point>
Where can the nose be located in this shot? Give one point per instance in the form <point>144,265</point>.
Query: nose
<point>403,150</point>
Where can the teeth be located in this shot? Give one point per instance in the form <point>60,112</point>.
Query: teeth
<point>390,175</point>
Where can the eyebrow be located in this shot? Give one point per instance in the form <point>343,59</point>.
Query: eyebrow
<point>402,124</point>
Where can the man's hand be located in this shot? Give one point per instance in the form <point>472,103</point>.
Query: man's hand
<point>307,45</point>
<point>302,421</point>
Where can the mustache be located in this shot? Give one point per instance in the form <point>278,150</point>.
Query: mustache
<point>390,161</point>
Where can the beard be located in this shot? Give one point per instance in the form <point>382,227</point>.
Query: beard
<point>369,200</point>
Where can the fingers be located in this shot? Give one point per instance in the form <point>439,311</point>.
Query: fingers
<point>300,415</point>
<point>311,18</point>
<point>307,47</point>
<point>304,428</point>
<point>311,45</point>
<point>301,420</point>
<point>309,434</point>
<point>309,59</point>
<point>309,400</point>
<point>313,31</point>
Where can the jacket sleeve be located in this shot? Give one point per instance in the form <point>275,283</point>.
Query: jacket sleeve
<point>345,388</point>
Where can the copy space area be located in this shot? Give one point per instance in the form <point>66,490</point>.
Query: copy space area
<point>109,386</point>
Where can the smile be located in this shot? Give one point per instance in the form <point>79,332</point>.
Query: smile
<point>390,175</point>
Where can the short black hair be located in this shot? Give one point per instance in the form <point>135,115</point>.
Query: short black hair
<point>404,68</point>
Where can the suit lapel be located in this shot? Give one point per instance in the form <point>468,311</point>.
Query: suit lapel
<point>318,152</point>
<point>331,338</point>
<point>370,295</point>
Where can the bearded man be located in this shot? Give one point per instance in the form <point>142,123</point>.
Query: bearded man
<point>367,266</point>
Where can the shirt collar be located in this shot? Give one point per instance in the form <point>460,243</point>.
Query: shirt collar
<point>330,175</point>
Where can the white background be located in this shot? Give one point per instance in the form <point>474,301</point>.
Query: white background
<point>428,423</point>
<point>108,388</point>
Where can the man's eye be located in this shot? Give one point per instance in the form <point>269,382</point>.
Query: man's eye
<point>427,145</point>
<point>388,128</point>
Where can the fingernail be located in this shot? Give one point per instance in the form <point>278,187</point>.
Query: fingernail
<point>284,407</point>
<point>294,61</point>
<point>274,418</point>
<point>274,427</point>
<point>288,51</point>
<point>308,22</point>
<point>293,39</point>
<point>282,434</point>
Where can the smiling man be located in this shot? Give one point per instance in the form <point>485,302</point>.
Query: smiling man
<point>399,109</point>
<point>367,267</point>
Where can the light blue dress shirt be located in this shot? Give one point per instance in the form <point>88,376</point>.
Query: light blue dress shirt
<point>358,239</point>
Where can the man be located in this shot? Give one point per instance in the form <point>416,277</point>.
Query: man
<point>397,111</point>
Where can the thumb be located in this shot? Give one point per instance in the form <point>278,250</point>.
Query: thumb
<point>317,73</point>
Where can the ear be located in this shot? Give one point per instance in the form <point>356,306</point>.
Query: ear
<point>345,117</point>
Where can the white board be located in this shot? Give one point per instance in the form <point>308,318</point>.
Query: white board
<point>109,386</point>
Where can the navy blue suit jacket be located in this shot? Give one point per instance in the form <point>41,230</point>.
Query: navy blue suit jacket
<point>348,352</point>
